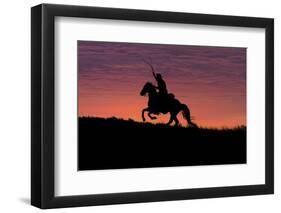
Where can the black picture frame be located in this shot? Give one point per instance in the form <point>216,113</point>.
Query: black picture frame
<point>43,117</point>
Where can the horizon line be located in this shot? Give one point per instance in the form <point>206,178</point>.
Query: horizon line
<point>161,123</point>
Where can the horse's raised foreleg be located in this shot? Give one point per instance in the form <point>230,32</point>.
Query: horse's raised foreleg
<point>142,114</point>
<point>151,116</point>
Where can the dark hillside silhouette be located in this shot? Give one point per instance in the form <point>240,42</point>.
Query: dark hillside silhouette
<point>115,143</point>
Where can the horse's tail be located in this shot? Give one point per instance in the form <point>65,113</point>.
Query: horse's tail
<point>186,115</point>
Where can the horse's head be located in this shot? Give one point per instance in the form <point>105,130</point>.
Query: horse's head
<point>147,88</point>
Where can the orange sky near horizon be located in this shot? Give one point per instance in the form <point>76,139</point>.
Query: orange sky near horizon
<point>210,80</point>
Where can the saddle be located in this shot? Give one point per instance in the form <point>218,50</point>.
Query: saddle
<point>164,101</point>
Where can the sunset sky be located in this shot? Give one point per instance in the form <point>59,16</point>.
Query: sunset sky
<point>210,80</point>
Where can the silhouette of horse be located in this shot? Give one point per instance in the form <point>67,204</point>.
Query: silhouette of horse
<point>158,104</point>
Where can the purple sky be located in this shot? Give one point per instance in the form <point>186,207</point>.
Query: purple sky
<point>210,80</point>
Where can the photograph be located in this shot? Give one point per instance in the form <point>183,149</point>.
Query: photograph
<point>139,105</point>
<point>143,105</point>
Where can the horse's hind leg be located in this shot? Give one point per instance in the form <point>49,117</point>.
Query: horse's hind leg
<point>171,119</point>
<point>176,120</point>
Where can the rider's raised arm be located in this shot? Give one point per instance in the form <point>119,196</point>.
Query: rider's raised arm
<point>154,75</point>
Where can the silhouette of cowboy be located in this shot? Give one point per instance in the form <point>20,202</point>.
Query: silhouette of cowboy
<point>161,84</point>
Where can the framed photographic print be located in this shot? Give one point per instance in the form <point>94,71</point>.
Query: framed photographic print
<point>139,106</point>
